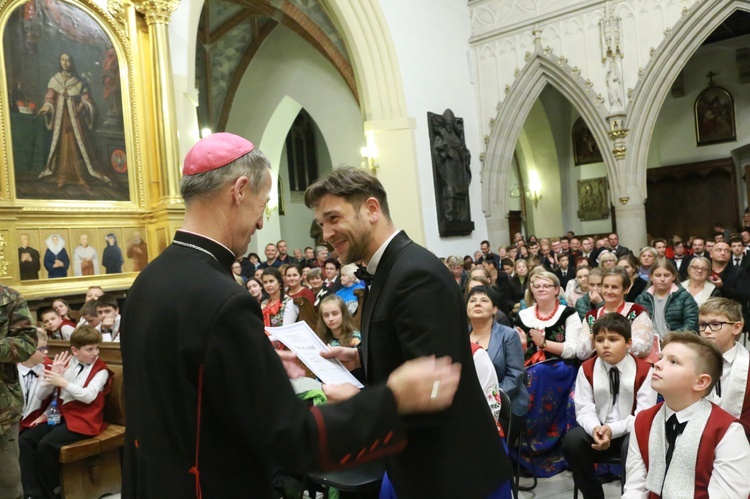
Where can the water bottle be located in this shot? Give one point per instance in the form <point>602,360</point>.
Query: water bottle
<point>53,413</point>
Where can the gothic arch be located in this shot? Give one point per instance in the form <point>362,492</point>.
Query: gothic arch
<point>542,69</point>
<point>671,56</point>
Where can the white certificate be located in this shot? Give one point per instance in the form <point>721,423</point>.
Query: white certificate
<point>301,340</point>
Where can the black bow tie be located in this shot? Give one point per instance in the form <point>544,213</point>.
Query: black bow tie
<point>31,373</point>
<point>614,383</point>
<point>363,275</point>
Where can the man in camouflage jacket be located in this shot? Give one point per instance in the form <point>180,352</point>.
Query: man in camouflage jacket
<point>17,343</point>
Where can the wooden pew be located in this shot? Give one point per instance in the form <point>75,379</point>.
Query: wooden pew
<point>92,468</point>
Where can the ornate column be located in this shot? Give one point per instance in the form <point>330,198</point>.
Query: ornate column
<point>157,14</point>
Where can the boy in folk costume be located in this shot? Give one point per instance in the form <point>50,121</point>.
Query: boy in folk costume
<point>720,320</point>
<point>687,447</point>
<point>83,382</point>
<point>611,389</point>
<point>30,372</point>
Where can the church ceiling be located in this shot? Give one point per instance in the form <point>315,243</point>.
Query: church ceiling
<point>230,34</point>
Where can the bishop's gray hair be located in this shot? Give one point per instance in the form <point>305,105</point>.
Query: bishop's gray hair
<point>254,165</point>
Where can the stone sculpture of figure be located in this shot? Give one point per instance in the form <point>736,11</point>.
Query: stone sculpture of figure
<point>70,113</point>
<point>138,252</point>
<point>454,169</point>
<point>28,259</point>
<point>614,84</point>
<point>56,259</point>
<point>112,259</point>
<point>85,259</point>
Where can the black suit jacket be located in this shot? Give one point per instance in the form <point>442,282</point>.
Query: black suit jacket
<point>414,308</point>
<point>176,326</point>
<point>682,271</point>
<point>570,274</point>
<point>744,261</point>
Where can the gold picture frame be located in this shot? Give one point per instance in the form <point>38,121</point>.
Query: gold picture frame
<point>714,117</point>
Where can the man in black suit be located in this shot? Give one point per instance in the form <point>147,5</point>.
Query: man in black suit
<point>739,257</point>
<point>681,259</point>
<point>615,247</point>
<point>413,308</point>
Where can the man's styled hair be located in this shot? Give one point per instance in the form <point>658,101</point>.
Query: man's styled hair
<point>484,242</point>
<point>254,165</point>
<point>613,323</point>
<point>708,359</point>
<point>107,300</point>
<point>355,185</point>
<point>730,309</point>
<point>85,335</point>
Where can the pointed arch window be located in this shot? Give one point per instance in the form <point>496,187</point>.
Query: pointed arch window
<point>301,152</point>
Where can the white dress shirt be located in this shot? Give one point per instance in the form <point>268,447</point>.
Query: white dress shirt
<point>586,411</point>
<point>75,389</point>
<point>729,477</point>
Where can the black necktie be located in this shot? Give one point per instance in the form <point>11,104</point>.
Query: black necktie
<point>673,428</point>
<point>28,377</point>
<point>614,383</point>
<point>718,387</point>
<point>80,369</point>
<point>736,262</point>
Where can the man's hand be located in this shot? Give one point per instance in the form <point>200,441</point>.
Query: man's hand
<point>291,364</point>
<point>717,281</point>
<point>602,437</point>
<point>339,393</point>
<point>60,362</point>
<point>348,356</point>
<point>425,384</point>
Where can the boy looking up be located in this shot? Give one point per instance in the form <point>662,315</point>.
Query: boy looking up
<point>687,446</point>
<point>83,382</point>
<point>611,389</point>
<point>720,320</point>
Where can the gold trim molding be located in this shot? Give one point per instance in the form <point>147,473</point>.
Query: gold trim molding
<point>156,11</point>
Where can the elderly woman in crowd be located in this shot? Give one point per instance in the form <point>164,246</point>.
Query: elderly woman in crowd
<point>504,348</point>
<point>637,285</point>
<point>349,284</point>
<point>697,283</point>
<point>315,280</point>
<point>646,257</point>
<point>615,282</point>
<point>550,332</point>
<point>670,305</point>
<point>456,266</point>
<point>607,259</point>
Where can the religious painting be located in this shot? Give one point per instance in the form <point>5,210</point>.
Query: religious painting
<point>585,148</point>
<point>56,253</point>
<point>84,253</point>
<point>714,117</point>
<point>593,200</point>
<point>136,249</point>
<point>29,257</point>
<point>112,257</point>
<point>65,105</point>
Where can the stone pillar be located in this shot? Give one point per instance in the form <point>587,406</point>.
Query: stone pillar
<point>164,140</point>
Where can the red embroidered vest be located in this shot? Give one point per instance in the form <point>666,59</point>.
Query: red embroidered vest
<point>88,419</point>
<point>717,425</point>
<point>641,372</point>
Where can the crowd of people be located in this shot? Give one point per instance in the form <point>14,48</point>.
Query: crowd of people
<point>579,332</point>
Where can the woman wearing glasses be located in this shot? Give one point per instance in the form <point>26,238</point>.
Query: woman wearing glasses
<point>697,283</point>
<point>548,329</point>
<point>550,334</point>
<point>615,283</point>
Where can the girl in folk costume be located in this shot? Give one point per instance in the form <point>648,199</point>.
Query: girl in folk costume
<point>615,283</point>
<point>278,309</point>
<point>69,112</point>
<point>56,259</point>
